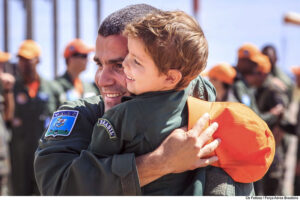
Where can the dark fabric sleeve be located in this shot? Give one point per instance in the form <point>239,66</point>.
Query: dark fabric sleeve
<point>202,89</point>
<point>64,167</point>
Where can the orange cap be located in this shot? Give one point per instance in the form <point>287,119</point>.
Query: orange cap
<point>29,49</point>
<point>4,57</point>
<point>249,51</point>
<point>77,46</point>
<point>296,70</point>
<point>247,145</point>
<point>264,64</point>
<point>223,72</point>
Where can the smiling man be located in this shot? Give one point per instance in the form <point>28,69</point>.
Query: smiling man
<point>63,166</point>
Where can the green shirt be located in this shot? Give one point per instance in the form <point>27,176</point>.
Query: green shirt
<point>71,94</point>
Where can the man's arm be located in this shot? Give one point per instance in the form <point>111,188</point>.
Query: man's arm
<point>181,151</point>
<point>64,167</point>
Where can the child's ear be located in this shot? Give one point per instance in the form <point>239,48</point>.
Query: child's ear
<point>173,77</point>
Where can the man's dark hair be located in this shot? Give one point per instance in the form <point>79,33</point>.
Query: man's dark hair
<point>115,23</point>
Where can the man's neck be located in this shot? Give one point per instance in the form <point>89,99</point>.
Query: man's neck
<point>73,74</point>
<point>30,79</point>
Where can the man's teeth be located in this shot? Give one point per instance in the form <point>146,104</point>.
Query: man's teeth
<point>130,78</point>
<point>113,95</point>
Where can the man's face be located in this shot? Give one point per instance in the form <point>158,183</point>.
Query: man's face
<point>271,54</point>
<point>27,67</point>
<point>256,78</point>
<point>110,77</point>
<point>77,62</point>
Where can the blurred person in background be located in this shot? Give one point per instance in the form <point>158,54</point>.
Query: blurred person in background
<point>269,96</point>
<point>76,57</point>
<point>293,126</point>
<point>284,81</point>
<point>6,114</point>
<point>35,101</point>
<point>281,80</point>
<point>222,77</point>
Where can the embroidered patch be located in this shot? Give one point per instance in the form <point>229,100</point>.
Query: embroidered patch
<point>108,127</point>
<point>62,123</point>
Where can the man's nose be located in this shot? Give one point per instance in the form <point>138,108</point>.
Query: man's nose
<point>104,77</point>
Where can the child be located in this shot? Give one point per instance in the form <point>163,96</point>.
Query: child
<point>167,50</point>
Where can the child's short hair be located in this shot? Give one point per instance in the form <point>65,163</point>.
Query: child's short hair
<point>174,40</point>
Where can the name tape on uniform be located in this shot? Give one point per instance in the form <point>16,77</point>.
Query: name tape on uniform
<point>108,127</point>
<point>62,123</point>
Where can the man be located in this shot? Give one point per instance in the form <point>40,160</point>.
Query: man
<point>64,167</point>
<point>222,77</point>
<point>268,96</point>
<point>35,100</point>
<point>6,114</point>
<point>76,57</point>
<point>280,78</point>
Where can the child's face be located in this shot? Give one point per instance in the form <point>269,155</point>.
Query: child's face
<point>142,74</point>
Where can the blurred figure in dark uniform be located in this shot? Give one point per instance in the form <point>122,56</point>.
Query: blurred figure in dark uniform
<point>268,96</point>
<point>222,77</point>
<point>76,56</point>
<point>6,114</point>
<point>35,101</point>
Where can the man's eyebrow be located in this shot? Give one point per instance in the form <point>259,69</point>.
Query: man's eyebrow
<point>111,61</point>
<point>116,60</point>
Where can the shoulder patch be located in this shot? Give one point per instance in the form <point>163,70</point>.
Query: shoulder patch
<point>62,123</point>
<point>108,127</point>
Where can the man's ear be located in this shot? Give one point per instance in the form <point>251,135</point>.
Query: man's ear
<point>173,77</point>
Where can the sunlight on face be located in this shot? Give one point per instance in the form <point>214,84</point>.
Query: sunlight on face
<point>142,74</point>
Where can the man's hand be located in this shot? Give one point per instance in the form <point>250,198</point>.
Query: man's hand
<point>7,81</point>
<point>181,151</point>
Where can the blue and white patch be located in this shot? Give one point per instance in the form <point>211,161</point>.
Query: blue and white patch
<point>62,123</point>
<point>108,127</point>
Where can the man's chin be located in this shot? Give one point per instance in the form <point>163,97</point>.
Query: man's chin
<point>111,102</point>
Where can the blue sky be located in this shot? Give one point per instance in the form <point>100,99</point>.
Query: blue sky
<point>226,24</point>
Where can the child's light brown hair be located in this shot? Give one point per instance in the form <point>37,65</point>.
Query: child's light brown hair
<point>174,40</point>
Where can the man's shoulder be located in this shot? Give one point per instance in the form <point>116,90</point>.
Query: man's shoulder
<point>93,106</point>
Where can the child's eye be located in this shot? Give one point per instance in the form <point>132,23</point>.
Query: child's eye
<point>136,62</point>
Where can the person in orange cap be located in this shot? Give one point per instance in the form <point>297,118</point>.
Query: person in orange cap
<point>35,100</point>
<point>6,114</point>
<point>76,57</point>
<point>271,102</point>
<point>293,127</point>
<point>222,77</point>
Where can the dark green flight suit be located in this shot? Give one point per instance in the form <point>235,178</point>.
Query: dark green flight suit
<point>63,166</point>
<point>31,118</point>
<point>66,83</point>
<point>4,152</point>
<point>268,96</point>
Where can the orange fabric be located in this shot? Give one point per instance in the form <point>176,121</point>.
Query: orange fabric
<point>264,64</point>
<point>249,51</point>
<point>223,72</point>
<point>296,70</point>
<point>78,85</point>
<point>77,46</point>
<point>33,88</point>
<point>4,57</point>
<point>247,145</point>
<point>29,49</point>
